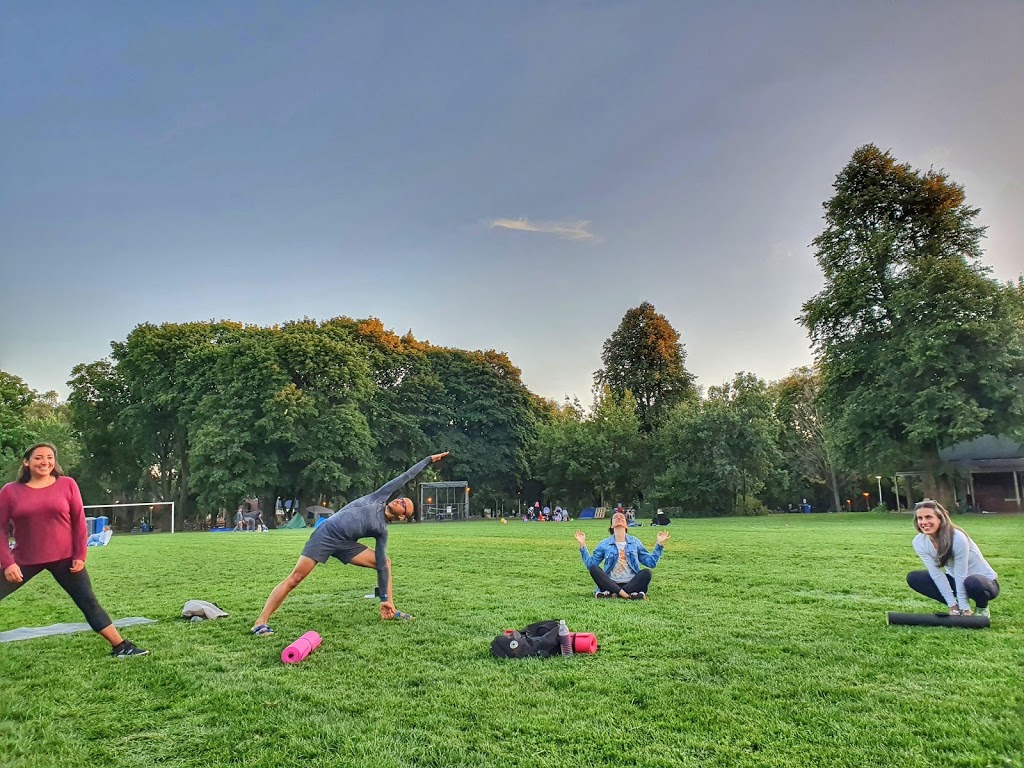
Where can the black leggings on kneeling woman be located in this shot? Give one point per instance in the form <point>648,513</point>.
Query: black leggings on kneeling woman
<point>979,589</point>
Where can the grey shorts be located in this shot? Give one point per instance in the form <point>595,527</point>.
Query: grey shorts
<point>321,548</point>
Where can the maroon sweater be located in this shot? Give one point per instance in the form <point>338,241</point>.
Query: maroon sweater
<point>48,524</point>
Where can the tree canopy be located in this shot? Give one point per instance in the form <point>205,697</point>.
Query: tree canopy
<point>210,413</point>
<point>644,356</point>
<point>918,348</point>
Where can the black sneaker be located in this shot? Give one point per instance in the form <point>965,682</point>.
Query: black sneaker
<point>637,596</point>
<point>126,649</point>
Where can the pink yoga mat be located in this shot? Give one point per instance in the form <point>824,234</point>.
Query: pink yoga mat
<point>584,642</point>
<point>301,648</point>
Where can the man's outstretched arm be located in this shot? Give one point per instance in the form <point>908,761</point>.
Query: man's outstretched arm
<point>393,485</point>
<point>384,584</point>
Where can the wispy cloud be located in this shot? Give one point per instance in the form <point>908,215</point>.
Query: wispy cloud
<point>567,230</point>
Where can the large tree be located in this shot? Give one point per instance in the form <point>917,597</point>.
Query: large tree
<point>805,439</point>
<point>28,417</point>
<point>566,457</point>
<point>111,466</point>
<point>715,456</point>
<point>602,455</point>
<point>15,435</point>
<point>644,356</point>
<point>919,349</point>
<point>489,419</point>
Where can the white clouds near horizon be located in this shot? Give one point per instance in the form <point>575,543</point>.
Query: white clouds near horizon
<point>566,230</point>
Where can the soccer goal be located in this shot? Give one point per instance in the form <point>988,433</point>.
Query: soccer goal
<point>146,513</point>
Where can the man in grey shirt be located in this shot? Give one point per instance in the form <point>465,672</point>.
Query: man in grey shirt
<point>339,535</point>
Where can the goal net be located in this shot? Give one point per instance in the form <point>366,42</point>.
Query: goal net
<point>140,517</point>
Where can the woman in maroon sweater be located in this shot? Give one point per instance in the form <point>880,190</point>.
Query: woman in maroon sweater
<point>43,511</point>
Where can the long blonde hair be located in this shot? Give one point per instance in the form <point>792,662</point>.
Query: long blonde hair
<point>944,538</point>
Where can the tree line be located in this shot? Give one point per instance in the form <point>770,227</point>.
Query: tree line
<point>916,348</point>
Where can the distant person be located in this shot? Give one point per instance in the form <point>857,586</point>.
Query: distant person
<point>253,519</point>
<point>338,536</point>
<point>616,563</point>
<point>42,510</point>
<point>661,519</point>
<point>956,570</point>
<point>100,539</point>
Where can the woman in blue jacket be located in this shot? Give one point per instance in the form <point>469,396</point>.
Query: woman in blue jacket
<point>616,563</point>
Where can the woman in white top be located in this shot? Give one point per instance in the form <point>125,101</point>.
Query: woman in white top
<point>957,572</point>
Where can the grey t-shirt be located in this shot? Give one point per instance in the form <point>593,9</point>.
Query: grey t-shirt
<point>360,519</point>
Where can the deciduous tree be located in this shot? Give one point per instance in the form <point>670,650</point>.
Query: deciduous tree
<point>918,348</point>
<point>644,356</point>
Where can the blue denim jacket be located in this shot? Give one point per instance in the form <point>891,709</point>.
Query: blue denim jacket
<point>606,553</point>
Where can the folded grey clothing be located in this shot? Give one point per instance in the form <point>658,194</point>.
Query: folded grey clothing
<point>201,609</point>
<point>28,633</point>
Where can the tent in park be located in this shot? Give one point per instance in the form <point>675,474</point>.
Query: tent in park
<point>297,521</point>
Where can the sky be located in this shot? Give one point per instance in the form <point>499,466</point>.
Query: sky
<point>487,175</point>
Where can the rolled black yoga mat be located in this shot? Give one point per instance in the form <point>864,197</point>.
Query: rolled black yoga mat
<point>938,620</point>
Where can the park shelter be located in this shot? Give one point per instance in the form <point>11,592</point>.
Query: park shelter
<point>444,500</point>
<point>988,474</point>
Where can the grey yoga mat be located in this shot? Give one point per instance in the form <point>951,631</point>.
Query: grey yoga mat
<point>28,633</point>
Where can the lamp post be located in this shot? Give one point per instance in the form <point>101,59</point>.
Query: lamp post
<point>879,479</point>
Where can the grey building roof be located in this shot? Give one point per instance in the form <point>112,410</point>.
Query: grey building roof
<point>988,453</point>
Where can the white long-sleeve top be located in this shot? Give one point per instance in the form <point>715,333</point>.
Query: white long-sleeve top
<point>965,560</point>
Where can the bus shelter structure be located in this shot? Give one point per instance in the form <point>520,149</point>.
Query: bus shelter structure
<point>444,500</point>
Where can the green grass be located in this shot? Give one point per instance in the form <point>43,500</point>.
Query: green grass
<point>764,643</point>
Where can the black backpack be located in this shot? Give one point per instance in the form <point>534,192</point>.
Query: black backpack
<point>539,639</point>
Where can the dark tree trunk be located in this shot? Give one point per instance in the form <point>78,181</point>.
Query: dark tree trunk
<point>184,506</point>
<point>836,502</point>
<point>937,485</point>
<point>270,508</point>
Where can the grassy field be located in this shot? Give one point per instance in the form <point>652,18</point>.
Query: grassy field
<point>764,643</point>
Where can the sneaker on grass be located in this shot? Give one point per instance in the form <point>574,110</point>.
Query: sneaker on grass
<point>983,612</point>
<point>127,648</point>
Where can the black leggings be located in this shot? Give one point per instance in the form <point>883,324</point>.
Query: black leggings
<point>638,583</point>
<point>75,584</point>
<point>979,589</point>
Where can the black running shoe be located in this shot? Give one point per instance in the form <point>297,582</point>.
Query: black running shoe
<point>126,649</point>
<point>637,596</point>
